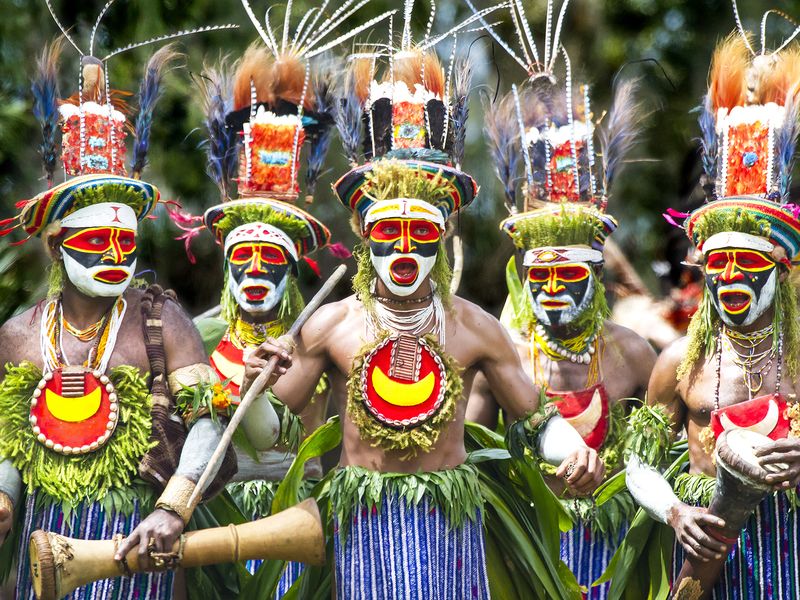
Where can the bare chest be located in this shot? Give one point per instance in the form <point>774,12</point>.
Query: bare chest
<point>563,375</point>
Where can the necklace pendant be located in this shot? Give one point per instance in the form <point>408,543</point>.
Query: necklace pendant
<point>403,381</point>
<point>74,410</point>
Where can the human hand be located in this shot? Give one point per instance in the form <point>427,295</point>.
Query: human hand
<point>689,523</point>
<point>6,515</point>
<point>582,470</point>
<point>260,357</point>
<point>156,533</point>
<point>782,460</point>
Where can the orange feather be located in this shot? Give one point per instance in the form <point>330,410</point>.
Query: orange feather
<point>256,66</point>
<point>727,86</point>
<point>418,67</point>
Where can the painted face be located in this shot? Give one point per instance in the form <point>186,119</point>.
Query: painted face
<point>100,261</point>
<point>258,274</point>
<point>742,284</point>
<point>560,293</point>
<point>403,252</point>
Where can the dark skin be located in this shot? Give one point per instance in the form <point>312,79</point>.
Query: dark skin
<point>19,341</point>
<point>625,366</point>
<point>690,402</point>
<point>331,339</point>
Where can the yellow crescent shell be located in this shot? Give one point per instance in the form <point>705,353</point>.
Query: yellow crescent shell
<point>73,410</point>
<point>228,369</point>
<point>402,394</point>
<point>764,426</point>
<point>586,421</point>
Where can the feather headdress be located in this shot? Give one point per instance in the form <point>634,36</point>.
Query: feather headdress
<point>282,97</point>
<point>749,124</point>
<point>414,112</point>
<point>93,127</point>
<point>555,128</point>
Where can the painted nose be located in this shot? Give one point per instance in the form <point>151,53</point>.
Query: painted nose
<point>404,244</point>
<point>255,267</point>
<point>731,274</point>
<point>114,253</point>
<point>552,286</point>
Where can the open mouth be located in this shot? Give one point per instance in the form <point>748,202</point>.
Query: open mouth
<point>256,293</point>
<point>735,302</point>
<point>554,304</point>
<point>111,276</point>
<point>404,271</point>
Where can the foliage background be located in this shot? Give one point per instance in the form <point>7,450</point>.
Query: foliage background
<point>668,43</point>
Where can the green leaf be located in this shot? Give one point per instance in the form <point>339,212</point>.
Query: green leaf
<point>323,440</point>
<point>610,487</point>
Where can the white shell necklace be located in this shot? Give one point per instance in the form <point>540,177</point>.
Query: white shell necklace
<point>410,321</point>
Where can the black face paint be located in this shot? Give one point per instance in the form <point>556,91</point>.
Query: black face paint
<point>560,293</point>
<point>404,236</point>
<point>741,283</point>
<point>255,261</point>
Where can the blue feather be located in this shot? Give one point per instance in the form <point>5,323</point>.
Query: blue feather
<point>786,146</point>
<point>624,124</point>
<point>503,134</point>
<point>460,111</point>
<point>320,142</point>
<point>708,140</point>
<point>347,116</point>
<point>222,142</point>
<point>45,104</point>
<point>149,93</point>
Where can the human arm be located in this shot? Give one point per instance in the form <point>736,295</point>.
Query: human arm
<point>557,442</point>
<point>481,407</point>
<point>187,367</point>
<point>301,365</point>
<point>10,490</point>
<point>649,487</point>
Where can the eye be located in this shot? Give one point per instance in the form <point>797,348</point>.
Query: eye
<point>538,275</point>
<point>390,230</point>
<point>571,273</point>
<point>422,230</point>
<point>717,262</point>
<point>241,254</point>
<point>96,241</point>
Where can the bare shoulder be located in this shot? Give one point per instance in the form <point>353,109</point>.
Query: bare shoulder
<point>664,379</point>
<point>328,319</point>
<point>630,343</point>
<point>481,325</point>
<point>182,341</point>
<point>19,336</point>
<point>474,317</point>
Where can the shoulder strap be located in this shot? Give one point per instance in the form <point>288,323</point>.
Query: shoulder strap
<point>152,306</point>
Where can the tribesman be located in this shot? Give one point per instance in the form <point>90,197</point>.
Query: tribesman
<point>732,382</point>
<point>89,442</point>
<point>257,121</point>
<point>407,507</point>
<point>588,367</point>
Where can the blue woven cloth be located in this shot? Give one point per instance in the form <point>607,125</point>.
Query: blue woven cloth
<point>409,552</point>
<point>587,554</point>
<point>89,521</point>
<point>764,564</point>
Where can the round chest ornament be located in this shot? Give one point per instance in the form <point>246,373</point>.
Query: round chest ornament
<point>74,410</point>
<point>403,382</point>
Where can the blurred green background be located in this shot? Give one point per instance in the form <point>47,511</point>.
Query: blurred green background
<point>668,43</point>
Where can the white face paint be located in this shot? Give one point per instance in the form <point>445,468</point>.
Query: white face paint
<point>763,300</point>
<point>397,269</point>
<point>403,252</point>
<point>85,278</point>
<point>257,295</point>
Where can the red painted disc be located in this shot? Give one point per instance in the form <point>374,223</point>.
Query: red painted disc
<point>400,402</point>
<point>74,425</point>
